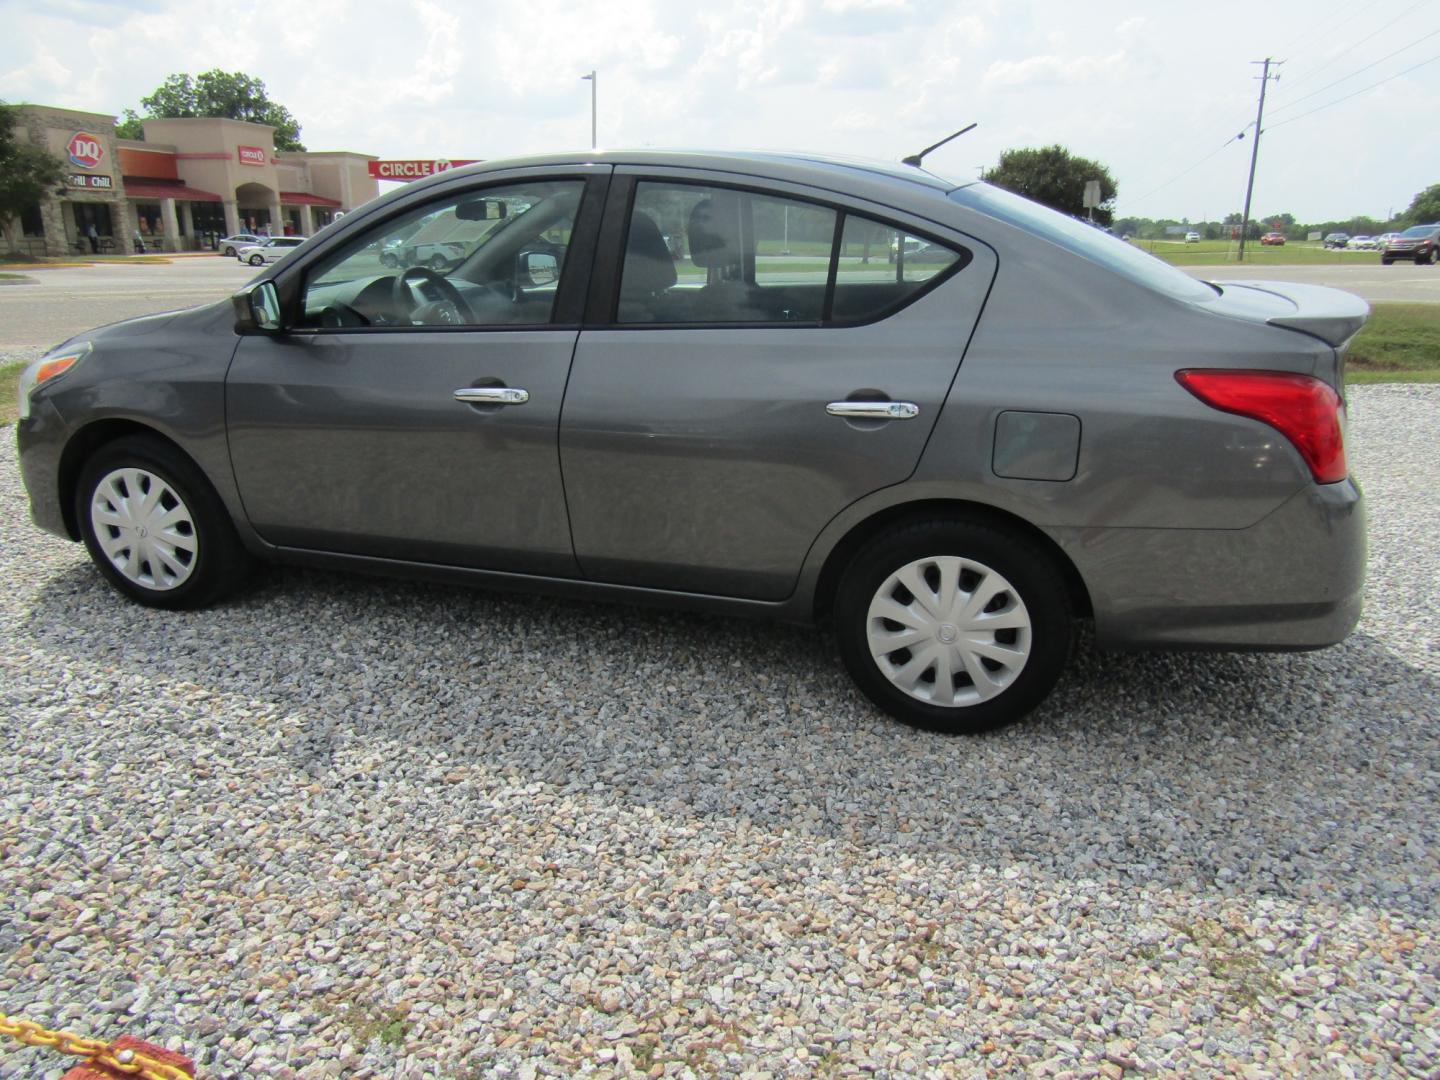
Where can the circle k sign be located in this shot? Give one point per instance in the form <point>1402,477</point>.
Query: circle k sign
<point>85,150</point>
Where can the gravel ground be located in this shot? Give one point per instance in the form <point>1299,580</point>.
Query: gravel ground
<point>347,828</point>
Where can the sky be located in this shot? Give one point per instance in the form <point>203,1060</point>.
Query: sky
<point>1156,91</point>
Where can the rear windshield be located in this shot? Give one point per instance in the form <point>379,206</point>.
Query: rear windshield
<point>1084,240</point>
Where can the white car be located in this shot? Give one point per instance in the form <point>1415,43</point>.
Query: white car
<point>1192,238</point>
<point>1383,241</point>
<point>1362,243</point>
<point>268,251</point>
<point>229,245</point>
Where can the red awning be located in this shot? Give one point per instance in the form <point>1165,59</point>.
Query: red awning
<point>162,189</point>
<point>304,198</point>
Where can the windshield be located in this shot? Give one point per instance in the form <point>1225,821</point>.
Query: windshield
<point>1084,240</point>
<point>1420,230</point>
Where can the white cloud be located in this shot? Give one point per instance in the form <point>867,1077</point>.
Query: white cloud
<point>1148,91</point>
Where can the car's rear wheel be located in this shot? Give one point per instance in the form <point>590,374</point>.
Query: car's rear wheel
<point>953,626</point>
<point>1386,262</point>
<point>155,527</point>
<point>437,262</point>
<point>257,260</point>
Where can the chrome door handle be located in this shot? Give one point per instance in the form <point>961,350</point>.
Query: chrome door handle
<point>492,395</point>
<point>874,410</point>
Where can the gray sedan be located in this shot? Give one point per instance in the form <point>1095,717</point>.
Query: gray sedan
<point>946,420</point>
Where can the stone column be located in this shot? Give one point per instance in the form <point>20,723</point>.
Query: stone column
<point>307,221</point>
<point>277,218</point>
<point>169,225</point>
<point>187,228</point>
<point>232,216</point>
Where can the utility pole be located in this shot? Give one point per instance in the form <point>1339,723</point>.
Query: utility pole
<point>592,81</point>
<point>1265,78</point>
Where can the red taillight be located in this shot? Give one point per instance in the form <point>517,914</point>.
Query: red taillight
<point>1302,408</point>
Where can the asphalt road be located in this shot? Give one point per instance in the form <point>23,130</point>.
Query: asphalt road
<point>60,303</point>
<point>64,302</point>
<point>1402,282</point>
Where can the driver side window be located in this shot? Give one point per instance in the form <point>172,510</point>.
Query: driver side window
<point>488,257</point>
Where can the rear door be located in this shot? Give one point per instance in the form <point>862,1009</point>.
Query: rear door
<point>768,356</point>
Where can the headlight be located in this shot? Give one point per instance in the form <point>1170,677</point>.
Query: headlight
<point>47,368</point>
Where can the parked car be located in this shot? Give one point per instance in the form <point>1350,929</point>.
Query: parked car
<point>1417,243</point>
<point>1192,238</point>
<point>1273,239</point>
<point>1384,239</point>
<point>1361,243</point>
<point>269,251</point>
<point>232,244</point>
<point>1335,240</point>
<point>950,461</point>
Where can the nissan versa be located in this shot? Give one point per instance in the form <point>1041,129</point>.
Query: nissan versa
<point>945,419</point>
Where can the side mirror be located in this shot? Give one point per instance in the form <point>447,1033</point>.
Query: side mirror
<point>257,307</point>
<point>538,268</point>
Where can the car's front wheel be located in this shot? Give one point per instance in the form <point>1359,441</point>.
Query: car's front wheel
<point>954,626</point>
<point>257,260</point>
<point>155,527</point>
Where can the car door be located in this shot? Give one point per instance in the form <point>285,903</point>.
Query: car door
<point>768,357</point>
<point>411,413</point>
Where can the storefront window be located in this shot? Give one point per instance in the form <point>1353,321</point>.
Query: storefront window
<point>207,217</point>
<point>97,214</point>
<point>31,223</point>
<point>147,216</point>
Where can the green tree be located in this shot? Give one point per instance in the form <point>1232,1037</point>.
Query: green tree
<point>230,94</point>
<point>27,172</point>
<point>1055,177</point>
<point>1424,208</point>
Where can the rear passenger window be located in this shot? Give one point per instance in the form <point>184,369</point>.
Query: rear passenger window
<point>880,266</point>
<point>715,255</point>
<point>702,255</point>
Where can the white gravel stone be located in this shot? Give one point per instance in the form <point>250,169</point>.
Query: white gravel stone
<point>340,827</point>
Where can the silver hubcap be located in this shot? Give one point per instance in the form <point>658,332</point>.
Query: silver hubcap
<point>948,631</point>
<point>144,529</point>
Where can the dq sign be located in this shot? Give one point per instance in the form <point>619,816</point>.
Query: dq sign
<point>85,150</point>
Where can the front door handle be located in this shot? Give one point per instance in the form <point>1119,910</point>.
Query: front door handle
<point>492,395</point>
<point>874,410</point>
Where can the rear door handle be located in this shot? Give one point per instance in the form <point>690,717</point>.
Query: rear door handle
<point>874,410</point>
<point>492,395</point>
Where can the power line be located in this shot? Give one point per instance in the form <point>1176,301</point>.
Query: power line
<point>1357,71</point>
<point>1192,168</point>
<point>1344,5</point>
<point>1357,93</point>
<point>1355,45</point>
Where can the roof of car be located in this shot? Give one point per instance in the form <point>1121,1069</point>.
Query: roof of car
<point>768,162</point>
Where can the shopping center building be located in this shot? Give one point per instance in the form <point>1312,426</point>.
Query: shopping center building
<point>189,181</point>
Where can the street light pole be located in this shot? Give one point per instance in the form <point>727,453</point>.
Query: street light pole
<point>593,81</point>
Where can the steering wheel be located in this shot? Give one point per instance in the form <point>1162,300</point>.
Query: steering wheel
<point>404,299</point>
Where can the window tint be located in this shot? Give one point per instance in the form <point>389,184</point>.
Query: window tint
<point>699,254</point>
<point>480,258</point>
<point>1084,240</point>
<point>880,266</point>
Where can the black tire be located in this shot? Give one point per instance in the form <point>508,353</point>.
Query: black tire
<point>229,251</point>
<point>1386,262</point>
<point>218,562</point>
<point>257,260</point>
<point>437,262</point>
<point>1429,259</point>
<point>1034,581</point>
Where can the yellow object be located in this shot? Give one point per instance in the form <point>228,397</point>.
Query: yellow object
<point>98,1053</point>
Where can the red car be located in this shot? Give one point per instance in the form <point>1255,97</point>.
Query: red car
<point>1276,238</point>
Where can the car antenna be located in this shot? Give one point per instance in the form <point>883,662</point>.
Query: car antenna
<point>914,159</point>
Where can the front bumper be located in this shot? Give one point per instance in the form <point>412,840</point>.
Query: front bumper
<point>40,440</point>
<point>1294,580</point>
